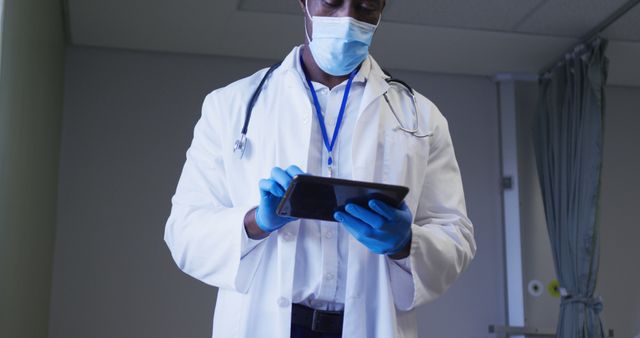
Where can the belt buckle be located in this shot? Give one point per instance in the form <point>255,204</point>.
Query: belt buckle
<point>320,325</point>
<point>315,319</point>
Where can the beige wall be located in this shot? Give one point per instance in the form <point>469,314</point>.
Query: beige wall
<point>30,119</point>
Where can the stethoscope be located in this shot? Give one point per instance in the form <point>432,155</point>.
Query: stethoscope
<point>241,144</point>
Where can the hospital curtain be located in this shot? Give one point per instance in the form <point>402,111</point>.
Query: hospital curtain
<point>568,144</point>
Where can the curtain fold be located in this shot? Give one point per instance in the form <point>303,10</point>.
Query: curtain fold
<point>568,139</point>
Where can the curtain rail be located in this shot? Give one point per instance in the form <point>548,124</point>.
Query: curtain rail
<point>593,33</point>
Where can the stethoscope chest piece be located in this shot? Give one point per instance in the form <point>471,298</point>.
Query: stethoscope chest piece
<point>240,146</point>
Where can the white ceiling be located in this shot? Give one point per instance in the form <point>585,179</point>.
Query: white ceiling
<point>445,36</point>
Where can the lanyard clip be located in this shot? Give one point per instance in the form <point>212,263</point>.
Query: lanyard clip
<point>330,164</point>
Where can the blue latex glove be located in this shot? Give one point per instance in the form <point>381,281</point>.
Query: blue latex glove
<point>383,229</point>
<point>271,192</point>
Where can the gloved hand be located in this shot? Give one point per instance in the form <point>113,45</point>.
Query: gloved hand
<point>385,230</point>
<point>271,192</point>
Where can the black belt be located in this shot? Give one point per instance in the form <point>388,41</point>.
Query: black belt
<point>317,320</point>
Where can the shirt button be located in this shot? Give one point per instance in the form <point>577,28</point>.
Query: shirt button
<point>329,276</point>
<point>329,234</point>
<point>283,302</point>
<point>287,236</point>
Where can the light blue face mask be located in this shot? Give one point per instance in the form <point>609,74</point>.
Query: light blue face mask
<point>339,44</point>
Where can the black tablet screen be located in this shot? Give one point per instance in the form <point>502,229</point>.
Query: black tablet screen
<point>318,198</point>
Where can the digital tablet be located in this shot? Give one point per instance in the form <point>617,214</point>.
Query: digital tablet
<point>316,197</point>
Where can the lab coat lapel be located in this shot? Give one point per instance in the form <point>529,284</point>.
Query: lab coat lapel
<point>368,134</point>
<point>292,111</point>
<point>294,125</point>
<point>376,86</point>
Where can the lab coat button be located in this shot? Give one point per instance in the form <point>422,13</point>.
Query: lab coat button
<point>283,302</point>
<point>329,234</point>
<point>329,276</point>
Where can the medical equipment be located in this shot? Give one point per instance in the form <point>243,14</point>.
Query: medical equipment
<point>267,217</point>
<point>409,90</point>
<point>383,229</point>
<point>339,43</point>
<point>316,197</point>
<point>240,145</point>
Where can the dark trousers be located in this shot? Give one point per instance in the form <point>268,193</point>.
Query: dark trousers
<point>302,332</point>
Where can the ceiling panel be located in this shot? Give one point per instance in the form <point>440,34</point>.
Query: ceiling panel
<point>496,15</point>
<point>569,18</point>
<point>270,6</point>
<point>219,27</point>
<point>160,24</point>
<point>627,28</point>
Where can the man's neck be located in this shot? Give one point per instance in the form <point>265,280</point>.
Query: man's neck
<point>318,75</point>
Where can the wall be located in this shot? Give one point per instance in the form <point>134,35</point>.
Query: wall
<point>128,121</point>
<point>619,275</point>
<point>541,311</point>
<point>31,80</point>
<point>1,26</point>
<point>619,229</point>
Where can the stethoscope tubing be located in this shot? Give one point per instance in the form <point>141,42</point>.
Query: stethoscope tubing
<point>241,143</point>
<point>416,123</point>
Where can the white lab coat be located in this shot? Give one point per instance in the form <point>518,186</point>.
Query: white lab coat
<point>216,189</point>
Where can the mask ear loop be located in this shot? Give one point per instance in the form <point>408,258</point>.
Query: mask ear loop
<point>378,23</point>
<point>306,10</point>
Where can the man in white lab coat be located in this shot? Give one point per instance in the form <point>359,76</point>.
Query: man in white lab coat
<point>321,112</point>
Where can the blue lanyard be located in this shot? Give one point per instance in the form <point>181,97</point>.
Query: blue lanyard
<point>343,106</point>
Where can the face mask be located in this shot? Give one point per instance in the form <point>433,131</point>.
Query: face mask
<point>339,44</point>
